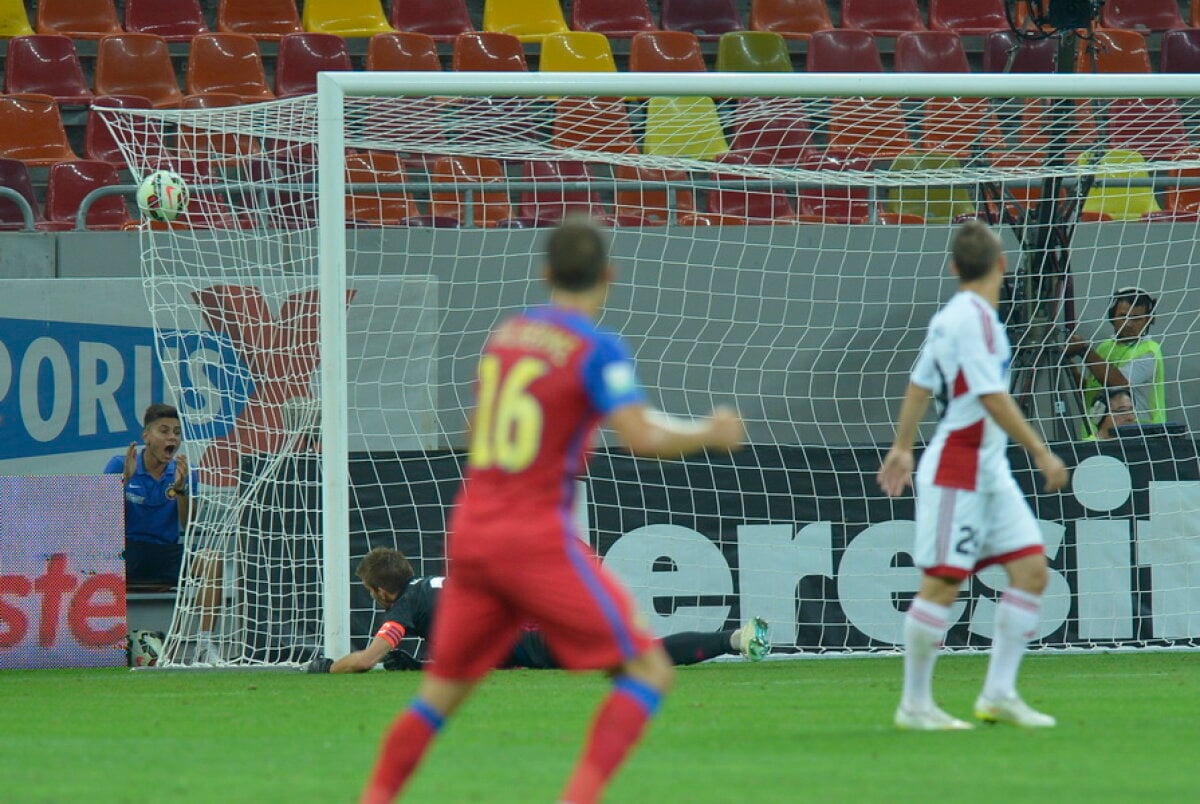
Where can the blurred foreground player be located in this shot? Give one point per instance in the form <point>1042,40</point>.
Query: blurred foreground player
<point>547,377</point>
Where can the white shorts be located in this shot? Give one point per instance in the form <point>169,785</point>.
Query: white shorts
<point>960,532</point>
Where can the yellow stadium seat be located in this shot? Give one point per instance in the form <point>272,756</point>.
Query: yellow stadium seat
<point>346,18</point>
<point>1119,203</point>
<point>528,20</point>
<point>13,19</point>
<point>933,203</point>
<point>684,126</point>
<point>577,52</point>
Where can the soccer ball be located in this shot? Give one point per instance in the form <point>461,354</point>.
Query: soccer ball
<point>144,648</point>
<point>162,196</point>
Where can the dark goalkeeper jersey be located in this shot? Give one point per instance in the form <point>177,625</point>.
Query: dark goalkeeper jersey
<point>412,613</point>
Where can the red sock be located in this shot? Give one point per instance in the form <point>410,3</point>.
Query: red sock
<point>618,725</point>
<point>407,738</point>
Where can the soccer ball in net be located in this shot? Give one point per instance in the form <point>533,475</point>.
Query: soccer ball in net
<point>162,195</point>
<point>144,648</point>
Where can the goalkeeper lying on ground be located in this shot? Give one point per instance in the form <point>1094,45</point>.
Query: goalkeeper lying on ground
<point>410,603</point>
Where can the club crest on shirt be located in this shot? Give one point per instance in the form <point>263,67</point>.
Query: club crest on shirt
<point>619,378</point>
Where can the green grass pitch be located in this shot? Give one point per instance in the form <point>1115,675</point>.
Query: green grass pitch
<point>780,731</point>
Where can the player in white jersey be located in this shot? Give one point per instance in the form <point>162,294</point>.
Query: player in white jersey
<point>970,512</point>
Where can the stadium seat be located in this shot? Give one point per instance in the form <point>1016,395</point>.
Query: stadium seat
<point>137,64</point>
<point>1141,15</point>
<point>488,50</point>
<point>441,19</point>
<point>1180,51</point>
<point>959,127</point>
<point>640,205</point>
<point>870,127</point>
<point>1027,55</point>
<point>31,130</point>
<point>14,175</point>
<point>1120,203</point>
<point>592,124</point>
<point>485,209</point>
<point>347,18</point>
<point>378,207</point>
<point>98,142</point>
<point>968,17</point>
<point>576,52</point>
<point>78,19</point>
<point>528,20</point>
<point>70,182</point>
<point>666,52</point>
<point>753,52</point>
<point>931,203</point>
<point>836,204</point>
<point>683,126</point>
<point>301,56</point>
<point>403,50</point>
<point>930,52</point>
<point>1181,198</point>
<point>1195,13</point>
<point>227,63</point>
<point>173,20</point>
<point>843,51</point>
<point>48,65</point>
<point>882,17</point>
<point>734,203</point>
<point>548,204</point>
<point>795,19</point>
<point>770,131</point>
<point>263,19</point>
<point>212,147</point>
<point>1113,51</point>
<point>1153,127</point>
<point>14,21</point>
<point>613,18</point>
<point>707,19</point>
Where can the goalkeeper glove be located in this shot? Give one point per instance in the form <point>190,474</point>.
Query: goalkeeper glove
<point>319,665</point>
<point>399,660</point>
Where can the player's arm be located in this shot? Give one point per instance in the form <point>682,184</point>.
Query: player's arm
<point>895,474</point>
<point>1004,411</point>
<point>360,661</point>
<point>651,433</point>
<point>1105,373</point>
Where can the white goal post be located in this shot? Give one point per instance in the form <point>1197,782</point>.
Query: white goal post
<point>807,316</point>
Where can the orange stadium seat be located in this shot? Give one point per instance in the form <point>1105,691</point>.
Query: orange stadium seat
<point>593,124</point>
<point>137,64</point>
<point>548,204</point>
<point>666,52</point>
<point>263,19</point>
<point>707,19</point>
<point>489,50</point>
<point>753,52</point>
<point>1195,13</point>
<point>301,56</point>
<point>843,51</point>
<point>403,50</point>
<point>882,17</point>
<point>968,17</point>
<point>1145,15</point>
<point>484,208</point>
<point>14,21</point>
<point>173,20</point>
<point>14,175</point>
<point>70,182</point>
<point>48,65</point>
<point>1181,51</point>
<point>227,63</point>
<point>528,20</point>
<point>1027,55</point>
<point>201,146</point>
<point>348,18</point>
<point>576,52</point>
<point>31,130</point>
<point>78,19</point>
<point>379,207</point>
<point>441,19</point>
<point>614,18</point>
<point>653,206</point>
<point>98,141</point>
<point>1113,51</point>
<point>795,19</point>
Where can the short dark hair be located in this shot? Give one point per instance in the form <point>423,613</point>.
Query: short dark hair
<point>975,248</point>
<point>577,254</point>
<point>158,411</point>
<point>385,568</point>
<point>1134,297</point>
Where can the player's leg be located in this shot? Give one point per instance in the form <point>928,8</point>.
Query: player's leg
<point>208,569</point>
<point>693,647</point>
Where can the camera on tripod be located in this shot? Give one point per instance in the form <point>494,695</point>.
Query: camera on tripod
<point>1064,14</point>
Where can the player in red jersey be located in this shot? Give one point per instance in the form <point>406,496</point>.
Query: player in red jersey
<point>546,380</point>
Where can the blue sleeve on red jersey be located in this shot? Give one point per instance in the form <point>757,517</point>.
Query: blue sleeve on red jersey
<point>608,375</point>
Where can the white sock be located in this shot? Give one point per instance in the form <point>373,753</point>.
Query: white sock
<point>204,639</point>
<point>1017,618</point>
<point>924,629</point>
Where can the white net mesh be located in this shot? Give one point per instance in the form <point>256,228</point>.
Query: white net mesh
<point>780,254</point>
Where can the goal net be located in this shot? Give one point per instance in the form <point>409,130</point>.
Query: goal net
<point>781,245</point>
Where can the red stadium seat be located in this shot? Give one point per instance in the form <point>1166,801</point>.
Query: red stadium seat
<point>770,131</point>
<point>968,17</point>
<point>173,20</point>
<point>14,175</point>
<point>301,56</point>
<point>736,205</point>
<point>267,20</point>
<point>78,19</point>
<point>833,204</point>
<point>708,19</point>
<point>795,19</point>
<point>31,130</point>
<point>1006,51</point>
<point>227,63</point>
<point>137,64</point>
<point>1153,127</point>
<point>666,52</point>
<point>208,147</point>
<point>48,65</point>
<point>98,142</point>
<point>930,52</point>
<point>882,17</point>
<point>549,204</point>
<point>1181,51</point>
<point>70,183</point>
<point>843,51</point>
<point>1143,15</point>
<point>614,18</point>
<point>441,19</point>
<point>403,51</point>
<point>489,51</point>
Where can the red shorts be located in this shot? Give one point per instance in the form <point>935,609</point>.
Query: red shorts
<point>495,587</point>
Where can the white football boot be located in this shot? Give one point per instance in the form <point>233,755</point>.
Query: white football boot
<point>1011,710</point>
